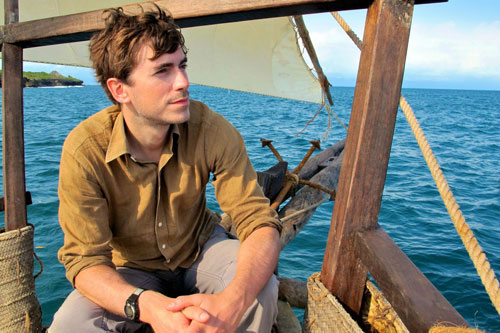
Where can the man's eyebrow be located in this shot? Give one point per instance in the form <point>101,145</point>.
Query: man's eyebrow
<point>169,64</point>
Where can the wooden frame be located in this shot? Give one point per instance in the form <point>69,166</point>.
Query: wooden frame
<point>13,128</point>
<point>187,13</point>
<point>355,245</point>
<point>368,145</point>
<point>402,283</point>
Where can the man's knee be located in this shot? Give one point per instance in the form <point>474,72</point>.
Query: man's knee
<point>268,297</point>
<point>262,314</point>
<point>76,312</point>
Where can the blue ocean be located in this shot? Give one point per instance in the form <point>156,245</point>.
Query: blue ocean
<point>463,128</point>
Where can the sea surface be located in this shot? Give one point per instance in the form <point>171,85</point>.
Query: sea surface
<point>463,128</point>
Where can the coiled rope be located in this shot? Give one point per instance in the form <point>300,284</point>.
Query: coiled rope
<point>487,275</point>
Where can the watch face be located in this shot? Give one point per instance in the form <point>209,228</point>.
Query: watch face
<point>129,311</point>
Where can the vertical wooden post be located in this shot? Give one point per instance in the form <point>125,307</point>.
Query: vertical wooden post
<point>368,145</point>
<point>13,129</point>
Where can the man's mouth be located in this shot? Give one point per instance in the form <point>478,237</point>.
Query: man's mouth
<point>181,101</point>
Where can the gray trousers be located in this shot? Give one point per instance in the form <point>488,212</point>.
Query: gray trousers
<point>211,273</point>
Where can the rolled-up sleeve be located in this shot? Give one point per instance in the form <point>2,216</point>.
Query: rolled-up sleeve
<point>83,216</point>
<point>235,181</point>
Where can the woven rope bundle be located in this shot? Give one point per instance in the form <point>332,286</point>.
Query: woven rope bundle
<point>381,315</point>
<point>324,313</point>
<point>19,307</point>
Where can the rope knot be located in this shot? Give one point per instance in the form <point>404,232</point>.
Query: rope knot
<point>294,179</point>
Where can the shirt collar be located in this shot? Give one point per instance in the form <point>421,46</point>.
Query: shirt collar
<point>118,144</point>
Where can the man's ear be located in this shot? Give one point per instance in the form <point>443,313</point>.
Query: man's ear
<point>117,89</point>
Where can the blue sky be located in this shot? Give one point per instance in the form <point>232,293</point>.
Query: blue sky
<point>453,45</point>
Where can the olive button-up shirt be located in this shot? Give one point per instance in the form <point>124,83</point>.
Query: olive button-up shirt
<point>118,211</point>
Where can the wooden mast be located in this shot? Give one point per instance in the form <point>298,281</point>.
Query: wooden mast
<point>356,244</point>
<point>13,127</point>
<point>368,145</point>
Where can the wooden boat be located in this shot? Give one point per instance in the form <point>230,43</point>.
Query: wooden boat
<point>356,244</point>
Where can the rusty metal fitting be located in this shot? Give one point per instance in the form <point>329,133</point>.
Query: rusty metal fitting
<point>268,143</point>
<point>332,193</point>
<point>314,145</point>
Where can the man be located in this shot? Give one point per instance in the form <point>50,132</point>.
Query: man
<point>132,183</point>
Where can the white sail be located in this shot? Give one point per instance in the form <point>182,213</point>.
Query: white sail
<point>259,56</point>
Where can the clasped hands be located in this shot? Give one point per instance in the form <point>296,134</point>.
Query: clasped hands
<point>192,313</point>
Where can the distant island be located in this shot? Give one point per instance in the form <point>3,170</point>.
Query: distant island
<point>43,79</point>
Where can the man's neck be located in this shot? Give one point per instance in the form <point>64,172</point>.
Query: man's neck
<point>146,150</point>
<point>145,141</point>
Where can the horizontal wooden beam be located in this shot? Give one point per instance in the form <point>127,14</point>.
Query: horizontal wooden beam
<point>415,299</point>
<point>187,13</point>
<point>28,199</point>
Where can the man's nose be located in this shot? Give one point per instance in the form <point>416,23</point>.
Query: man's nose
<point>181,80</point>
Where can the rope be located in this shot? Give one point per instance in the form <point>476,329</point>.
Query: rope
<point>294,179</point>
<point>347,29</point>
<point>302,211</point>
<point>324,89</point>
<point>487,275</point>
<point>477,255</point>
<point>306,41</point>
<point>40,263</point>
<point>379,314</point>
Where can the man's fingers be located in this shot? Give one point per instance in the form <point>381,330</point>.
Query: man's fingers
<point>189,307</point>
<point>195,313</point>
<point>176,305</point>
<point>182,302</point>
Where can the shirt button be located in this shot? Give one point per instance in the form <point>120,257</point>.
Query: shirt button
<point>163,246</point>
<point>160,224</point>
<point>168,261</point>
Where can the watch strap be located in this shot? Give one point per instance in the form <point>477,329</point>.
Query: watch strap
<point>132,302</point>
<point>137,292</point>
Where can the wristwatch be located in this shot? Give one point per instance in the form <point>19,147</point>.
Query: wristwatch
<point>131,308</point>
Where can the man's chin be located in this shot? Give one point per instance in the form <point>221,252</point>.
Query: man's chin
<point>180,117</point>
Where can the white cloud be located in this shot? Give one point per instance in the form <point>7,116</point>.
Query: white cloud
<point>336,52</point>
<point>436,51</point>
<point>446,49</point>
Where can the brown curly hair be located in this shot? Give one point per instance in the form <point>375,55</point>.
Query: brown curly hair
<point>113,51</point>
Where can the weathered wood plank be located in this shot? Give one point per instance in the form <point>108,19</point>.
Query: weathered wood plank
<point>79,27</point>
<point>13,129</point>
<point>321,160</point>
<point>287,321</point>
<point>188,13</point>
<point>307,197</point>
<point>293,291</point>
<point>308,45</point>
<point>368,145</point>
<point>418,303</point>
<point>11,11</point>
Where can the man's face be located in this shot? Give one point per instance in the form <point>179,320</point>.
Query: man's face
<point>158,89</point>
